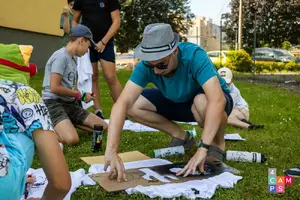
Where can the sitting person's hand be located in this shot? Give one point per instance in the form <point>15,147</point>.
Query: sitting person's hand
<point>30,179</point>
<point>89,97</point>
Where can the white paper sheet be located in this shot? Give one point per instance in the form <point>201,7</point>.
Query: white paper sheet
<point>234,136</point>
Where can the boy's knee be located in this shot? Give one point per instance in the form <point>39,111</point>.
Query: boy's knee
<point>71,140</point>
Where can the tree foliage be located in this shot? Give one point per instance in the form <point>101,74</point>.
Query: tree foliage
<point>286,45</point>
<point>276,21</point>
<point>137,14</point>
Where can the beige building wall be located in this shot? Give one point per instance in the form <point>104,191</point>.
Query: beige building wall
<point>214,44</point>
<point>32,15</point>
<point>204,33</point>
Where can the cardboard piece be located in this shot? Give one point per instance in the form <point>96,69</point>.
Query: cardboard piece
<point>135,177</point>
<point>126,157</point>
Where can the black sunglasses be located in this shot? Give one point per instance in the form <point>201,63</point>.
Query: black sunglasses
<point>160,65</point>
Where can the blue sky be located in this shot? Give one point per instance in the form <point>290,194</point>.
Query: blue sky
<point>210,8</point>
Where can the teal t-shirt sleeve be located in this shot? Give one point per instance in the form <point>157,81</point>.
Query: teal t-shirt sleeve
<point>140,75</point>
<point>61,25</point>
<point>201,67</point>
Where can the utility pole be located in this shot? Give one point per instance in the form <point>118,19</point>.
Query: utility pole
<point>240,25</point>
<point>254,46</point>
<point>236,39</point>
<point>220,42</point>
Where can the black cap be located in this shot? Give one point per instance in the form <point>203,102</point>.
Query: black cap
<point>82,31</point>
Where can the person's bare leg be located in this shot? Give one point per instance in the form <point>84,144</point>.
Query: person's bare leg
<point>240,115</point>
<point>93,119</point>
<point>219,140</point>
<point>200,104</point>
<point>95,86</point>
<point>245,113</point>
<point>110,75</point>
<point>53,164</point>
<point>235,118</point>
<point>234,121</point>
<point>144,112</point>
<point>66,132</point>
<point>197,115</point>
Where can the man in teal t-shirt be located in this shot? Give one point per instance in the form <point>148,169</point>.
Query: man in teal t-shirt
<point>188,88</point>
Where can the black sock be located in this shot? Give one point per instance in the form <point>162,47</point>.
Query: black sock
<point>247,122</point>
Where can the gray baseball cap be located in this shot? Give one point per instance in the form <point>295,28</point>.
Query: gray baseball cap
<point>158,41</point>
<point>83,31</point>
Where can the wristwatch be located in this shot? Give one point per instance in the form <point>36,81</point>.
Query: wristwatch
<point>202,144</point>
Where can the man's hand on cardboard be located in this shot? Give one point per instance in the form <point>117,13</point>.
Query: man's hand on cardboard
<point>197,161</point>
<point>117,169</point>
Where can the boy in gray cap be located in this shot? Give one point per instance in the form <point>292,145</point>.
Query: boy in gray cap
<point>59,92</point>
<point>188,89</point>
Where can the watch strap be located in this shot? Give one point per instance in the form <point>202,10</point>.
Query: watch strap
<point>202,144</point>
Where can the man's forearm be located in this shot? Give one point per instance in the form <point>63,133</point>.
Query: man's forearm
<point>62,91</point>
<point>213,118</point>
<point>111,32</point>
<point>115,127</point>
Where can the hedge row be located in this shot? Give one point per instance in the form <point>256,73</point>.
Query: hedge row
<point>241,61</point>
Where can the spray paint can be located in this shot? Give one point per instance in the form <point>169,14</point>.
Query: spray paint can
<point>97,138</point>
<point>244,156</point>
<point>171,151</point>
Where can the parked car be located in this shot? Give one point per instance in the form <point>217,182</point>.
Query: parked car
<point>125,60</point>
<point>217,56</point>
<point>271,54</point>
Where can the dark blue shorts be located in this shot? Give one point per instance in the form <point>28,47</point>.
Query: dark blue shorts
<point>178,111</point>
<point>108,54</point>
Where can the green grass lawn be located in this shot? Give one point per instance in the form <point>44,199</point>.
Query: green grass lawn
<point>277,109</point>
